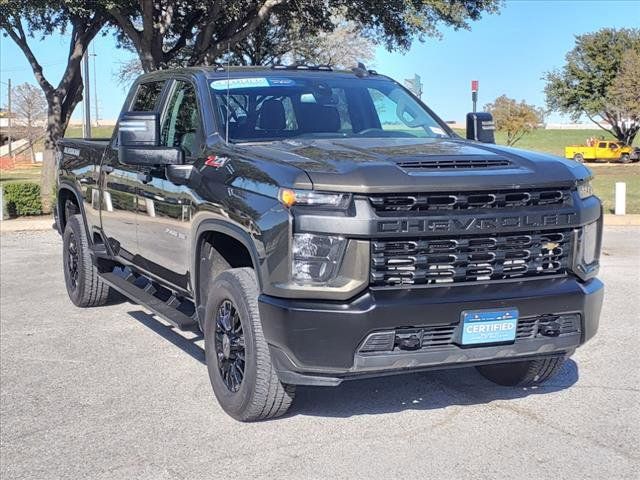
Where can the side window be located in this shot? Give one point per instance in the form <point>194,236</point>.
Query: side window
<point>147,97</point>
<point>181,120</point>
<point>602,145</point>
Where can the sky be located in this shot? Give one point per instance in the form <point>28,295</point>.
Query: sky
<point>508,53</point>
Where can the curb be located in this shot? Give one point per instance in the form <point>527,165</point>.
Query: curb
<point>630,220</point>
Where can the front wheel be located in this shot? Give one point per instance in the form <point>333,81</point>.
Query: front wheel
<point>625,158</point>
<point>522,374</point>
<point>238,359</point>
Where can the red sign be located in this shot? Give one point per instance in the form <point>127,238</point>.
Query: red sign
<point>474,85</point>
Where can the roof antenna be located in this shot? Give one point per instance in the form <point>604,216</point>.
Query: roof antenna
<point>226,123</point>
<point>360,70</point>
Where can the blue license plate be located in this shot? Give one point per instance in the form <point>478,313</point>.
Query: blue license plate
<point>489,326</point>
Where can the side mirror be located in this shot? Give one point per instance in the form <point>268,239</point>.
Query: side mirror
<point>139,141</point>
<point>136,129</point>
<point>480,127</point>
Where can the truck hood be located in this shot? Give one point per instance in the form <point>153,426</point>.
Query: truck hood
<point>387,165</point>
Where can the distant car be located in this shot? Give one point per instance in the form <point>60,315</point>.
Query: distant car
<point>601,150</point>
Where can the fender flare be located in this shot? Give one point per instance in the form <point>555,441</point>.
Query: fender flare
<point>67,185</point>
<point>226,228</point>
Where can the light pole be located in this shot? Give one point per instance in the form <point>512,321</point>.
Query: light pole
<point>9,116</point>
<point>86,124</point>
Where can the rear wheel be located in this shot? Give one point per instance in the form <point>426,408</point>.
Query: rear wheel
<point>522,374</point>
<point>238,359</point>
<point>84,286</point>
<point>578,157</point>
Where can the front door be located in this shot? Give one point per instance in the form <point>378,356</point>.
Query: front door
<point>164,208</point>
<point>120,184</point>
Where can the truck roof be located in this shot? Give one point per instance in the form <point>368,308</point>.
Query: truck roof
<point>220,71</point>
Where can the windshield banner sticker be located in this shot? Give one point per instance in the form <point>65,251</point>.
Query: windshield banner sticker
<point>252,82</point>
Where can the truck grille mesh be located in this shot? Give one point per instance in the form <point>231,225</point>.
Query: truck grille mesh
<point>444,260</point>
<point>470,200</point>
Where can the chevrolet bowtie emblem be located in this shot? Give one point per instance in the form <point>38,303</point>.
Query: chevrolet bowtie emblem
<point>550,245</point>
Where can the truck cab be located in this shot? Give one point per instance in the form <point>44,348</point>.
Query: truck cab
<point>320,226</point>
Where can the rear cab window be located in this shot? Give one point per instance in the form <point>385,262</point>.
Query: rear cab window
<point>147,97</point>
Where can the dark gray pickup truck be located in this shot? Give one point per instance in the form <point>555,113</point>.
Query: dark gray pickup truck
<point>320,226</point>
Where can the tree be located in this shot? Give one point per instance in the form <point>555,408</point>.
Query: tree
<point>22,21</point>
<point>168,32</point>
<point>513,118</point>
<point>589,83</point>
<point>625,92</point>
<point>276,43</point>
<point>30,109</point>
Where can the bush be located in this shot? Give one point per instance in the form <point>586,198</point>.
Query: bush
<point>22,199</point>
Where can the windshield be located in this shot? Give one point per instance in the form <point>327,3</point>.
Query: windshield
<point>277,108</point>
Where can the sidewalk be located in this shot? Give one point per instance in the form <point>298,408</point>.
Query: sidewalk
<point>45,222</point>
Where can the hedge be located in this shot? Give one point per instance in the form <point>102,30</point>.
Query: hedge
<point>22,199</point>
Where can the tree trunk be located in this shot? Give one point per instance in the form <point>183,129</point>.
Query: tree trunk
<point>54,132</point>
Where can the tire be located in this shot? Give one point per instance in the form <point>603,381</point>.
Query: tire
<point>578,157</point>
<point>70,209</point>
<point>522,374</point>
<point>84,286</point>
<point>625,158</point>
<point>259,394</point>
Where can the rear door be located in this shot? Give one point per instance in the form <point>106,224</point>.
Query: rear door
<point>119,200</point>
<point>165,208</point>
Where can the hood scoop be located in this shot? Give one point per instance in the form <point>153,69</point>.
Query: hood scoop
<point>447,162</point>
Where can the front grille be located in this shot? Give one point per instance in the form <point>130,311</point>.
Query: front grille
<point>453,163</point>
<point>549,325</point>
<point>425,202</point>
<point>442,260</point>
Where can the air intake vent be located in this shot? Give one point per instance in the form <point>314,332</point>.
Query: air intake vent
<point>465,162</point>
<point>495,199</point>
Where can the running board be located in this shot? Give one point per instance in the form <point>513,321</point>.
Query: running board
<point>165,309</point>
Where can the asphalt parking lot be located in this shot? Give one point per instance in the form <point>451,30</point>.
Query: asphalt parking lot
<point>113,393</point>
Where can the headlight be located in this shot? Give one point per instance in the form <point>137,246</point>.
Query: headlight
<point>587,257</point>
<point>585,189</point>
<point>291,197</point>
<point>316,258</point>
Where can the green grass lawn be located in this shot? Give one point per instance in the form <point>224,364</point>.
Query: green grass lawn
<point>97,132</point>
<point>553,141</point>
<point>26,175</point>
<point>604,179</point>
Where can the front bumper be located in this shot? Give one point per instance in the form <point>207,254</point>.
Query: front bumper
<point>317,342</point>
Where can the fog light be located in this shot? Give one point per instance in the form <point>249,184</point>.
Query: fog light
<point>316,258</point>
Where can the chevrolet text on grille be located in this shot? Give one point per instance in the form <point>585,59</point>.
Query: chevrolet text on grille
<point>420,225</point>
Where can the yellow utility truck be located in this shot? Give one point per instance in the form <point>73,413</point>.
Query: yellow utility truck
<point>602,150</point>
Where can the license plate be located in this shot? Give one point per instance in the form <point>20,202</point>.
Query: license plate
<point>489,326</point>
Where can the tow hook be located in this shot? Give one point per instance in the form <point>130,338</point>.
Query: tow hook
<point>410,342</point>
<point>551,329</point>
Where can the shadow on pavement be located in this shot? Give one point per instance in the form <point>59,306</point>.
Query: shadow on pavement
<point>412,391</point>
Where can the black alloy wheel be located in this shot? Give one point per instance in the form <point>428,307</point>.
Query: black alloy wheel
<point>230,345</point>
<point>72,262</point>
